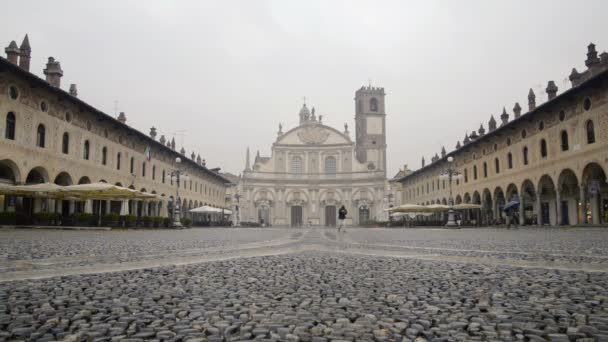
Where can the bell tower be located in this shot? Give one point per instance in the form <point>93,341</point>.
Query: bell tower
<point>370,119</point>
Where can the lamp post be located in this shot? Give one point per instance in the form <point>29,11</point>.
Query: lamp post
<point>450,173</point>
<point>238,209</point>
<point>177,175</point>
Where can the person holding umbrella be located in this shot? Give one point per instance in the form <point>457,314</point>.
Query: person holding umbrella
<point>510,209</point>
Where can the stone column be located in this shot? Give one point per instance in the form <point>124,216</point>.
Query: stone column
<point>583,199</point>
<point>522,210</point>
<point>558,208</point>
<point>124,208</point>
<point>595,210</point>
<point>163,209</point>
<point>88,206</point>
<point>108,207</point>
<point>539,210</point>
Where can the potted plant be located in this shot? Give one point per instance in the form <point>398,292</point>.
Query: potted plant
<point>111,220</point>
<point>186,222</point>
<point>83,219</point>
<point>147,221</point>
<point>8,218</point>
<point>129,221</point>
<point>157,221</point>
<point>45,218</point>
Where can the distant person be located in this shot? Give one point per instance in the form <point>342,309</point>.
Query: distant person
<point>341,217</point>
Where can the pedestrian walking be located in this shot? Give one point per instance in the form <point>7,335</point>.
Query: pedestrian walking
<point>341,217</point>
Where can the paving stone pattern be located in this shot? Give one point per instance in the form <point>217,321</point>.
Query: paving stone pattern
<point>333,293</point>
<point>311,296</point>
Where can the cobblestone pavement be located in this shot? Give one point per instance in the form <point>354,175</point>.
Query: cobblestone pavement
<point>307,285</point>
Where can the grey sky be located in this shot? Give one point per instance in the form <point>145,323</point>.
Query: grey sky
<point>228,72</point>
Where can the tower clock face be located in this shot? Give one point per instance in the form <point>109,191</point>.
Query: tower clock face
<point>374,125</point>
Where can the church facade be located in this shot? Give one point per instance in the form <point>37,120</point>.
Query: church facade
<point>314,169</point>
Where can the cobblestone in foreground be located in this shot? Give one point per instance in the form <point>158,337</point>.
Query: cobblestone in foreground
<point>311,296</point>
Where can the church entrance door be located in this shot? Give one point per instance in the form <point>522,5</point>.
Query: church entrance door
<point>296,216</point>
<point>363,215</point>
<point>330,216</point>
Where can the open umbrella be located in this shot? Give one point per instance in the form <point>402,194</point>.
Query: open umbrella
<point>466,206</point>
<point>409,208</point>
<point>511,205</point>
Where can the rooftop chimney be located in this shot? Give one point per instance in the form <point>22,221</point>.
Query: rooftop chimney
<point>12,52</point>
<point>53,72</point>
<point>591,56</point>
<point>492,124</point>
<point>551,90</point>
<point>25,54</point>
<point>517,110</point>
<point>531,100</point>
<point>504,117</point>
<point>122,117</point>
<point>73,90</point>
<point>153,133</point>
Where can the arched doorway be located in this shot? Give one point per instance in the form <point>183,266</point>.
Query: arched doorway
<point>296,216</point>
<point>330,215</point>
<point>9,174</point>
<point>528,204</point>
<point>594,203</point>
<point>546,195</point>
<point>31,205</point>
<point>363,214</point>
<point>487,207</point>
<point>264,214</point>
<point>63,206</point>
<point>81,207</point>
<point>499,204</point>
<point>568,198</point>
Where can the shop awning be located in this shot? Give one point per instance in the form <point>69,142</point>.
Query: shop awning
<point>93,191</point>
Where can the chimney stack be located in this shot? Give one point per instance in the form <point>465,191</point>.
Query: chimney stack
<point>25,54</point>
<point>12,53</point>
<point>122,117</point>
<point>492,124</point>
<point>551,90</point>
<point>531,100</point>
<point>517,110</point>
<point>73,90</point>
<point>153,133</point>
<point>504,117</point>
<point>53,72</point>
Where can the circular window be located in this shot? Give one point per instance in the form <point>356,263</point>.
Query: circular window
<point>88,125</point>
<point>13,92</point>
<point>44,106</point>
<point>587,104</point>
<point>508,141</point>
<point>541,126</point>
<point>68,116</point>
<point>523,134</point>
<point>105,133</point>
<point>495,147</point>
<point>562,115</point>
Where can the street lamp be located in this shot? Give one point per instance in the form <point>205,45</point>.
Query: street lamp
<point>449,174</point>
<point>176,176</point>
<point>238,211</point>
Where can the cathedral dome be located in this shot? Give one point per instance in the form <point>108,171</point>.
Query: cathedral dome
<point>304,114</point>
<point>304,110</point>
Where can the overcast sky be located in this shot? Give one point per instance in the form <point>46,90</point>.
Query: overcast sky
<point>221,75</point>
